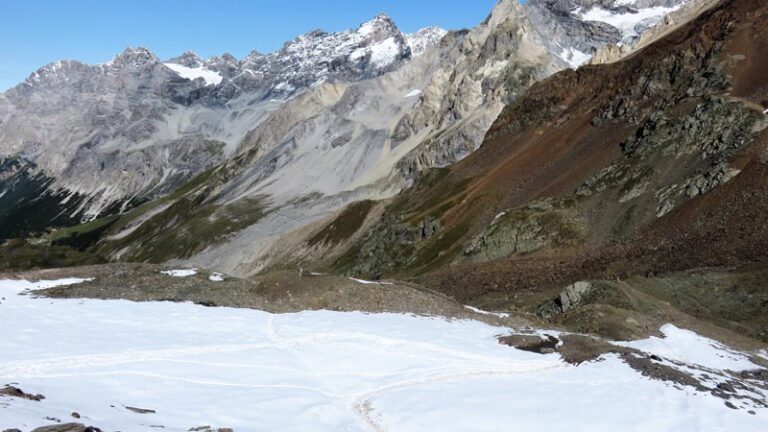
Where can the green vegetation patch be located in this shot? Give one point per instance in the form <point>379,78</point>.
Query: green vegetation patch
<point>526,230</point>
<point>185,228</point>
<point>344,226</point>
<point>18,254</point>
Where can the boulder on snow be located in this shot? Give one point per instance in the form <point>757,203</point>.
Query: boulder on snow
<point>67,427</point>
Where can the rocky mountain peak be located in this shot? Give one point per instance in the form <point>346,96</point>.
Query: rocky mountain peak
<point>133,57</point>
<point>56,71</point>
<point>502,11</point>
<point>226,64</point>
<point>188,59</point>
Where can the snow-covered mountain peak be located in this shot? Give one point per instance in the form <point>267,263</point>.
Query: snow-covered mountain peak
<point>424,38</point>
<point>379,27</point>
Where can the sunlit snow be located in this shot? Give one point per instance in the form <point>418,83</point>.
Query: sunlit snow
<point>413,93</point>
<point>314,371</point>
<point>628,22</point>
<point>180,272</point>
<point>385,52</point>
<point>574,57</point>
<point>210,77</point>
<point>688,347</point>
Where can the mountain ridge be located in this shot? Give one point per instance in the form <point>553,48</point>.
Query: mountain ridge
<point>304,154</point>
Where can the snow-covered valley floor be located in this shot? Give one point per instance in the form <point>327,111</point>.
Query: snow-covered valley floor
<point>325,371</point>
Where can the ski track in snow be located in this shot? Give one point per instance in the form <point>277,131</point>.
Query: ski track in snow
<point>339,369</point>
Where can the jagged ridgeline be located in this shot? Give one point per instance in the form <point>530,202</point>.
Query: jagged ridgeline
<point>317,154</point>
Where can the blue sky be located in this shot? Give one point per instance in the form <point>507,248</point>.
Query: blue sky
<point>35,33</point>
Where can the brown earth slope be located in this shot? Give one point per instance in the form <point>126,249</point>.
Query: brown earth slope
<point>652,165</point>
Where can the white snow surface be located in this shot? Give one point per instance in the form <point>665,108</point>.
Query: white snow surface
<point>385,53</point>
<point>216,277</point>
<point>420,41</point>
<point>367,282</point>
<point>180,273</point>
<point>574,57</point>
<point>210,77</point>
<point>413,93</point>
<point>688,347</point>
<point>483,312</point>
<point>630,24</point>
<point>314,371</point>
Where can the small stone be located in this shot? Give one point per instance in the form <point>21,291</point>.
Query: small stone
<point>141,410</point>
<point>726,387</point>
<point>76,415</point>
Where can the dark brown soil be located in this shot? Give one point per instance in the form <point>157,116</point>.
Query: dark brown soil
<point>531,343</point>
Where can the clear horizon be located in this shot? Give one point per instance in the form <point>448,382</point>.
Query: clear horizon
<point>94,31</point>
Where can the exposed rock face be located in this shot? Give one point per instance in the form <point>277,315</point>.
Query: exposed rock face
<point>481,70</point>
<point>573,295</point>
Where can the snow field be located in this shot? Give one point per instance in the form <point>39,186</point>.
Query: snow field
<point>318,371</point>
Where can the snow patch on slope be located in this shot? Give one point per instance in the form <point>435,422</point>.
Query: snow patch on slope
<point>686,346</point>
<point>630,24</point>
<point>413,93</point>
<point>180,273</point>
<point>216,277</point>
<point>385,53</point>
<point>574,57</point>
<point>210,77</point>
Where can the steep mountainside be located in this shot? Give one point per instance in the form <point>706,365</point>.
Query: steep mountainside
<point>136,127</point>
<point>340,142</point>
<point>647,166</point>
<point>279,143</point>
